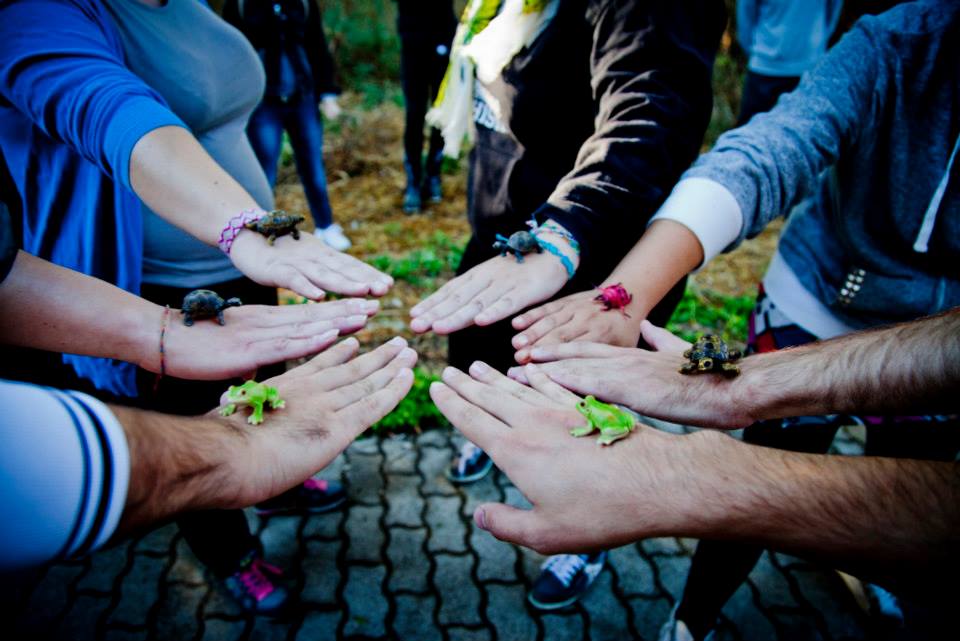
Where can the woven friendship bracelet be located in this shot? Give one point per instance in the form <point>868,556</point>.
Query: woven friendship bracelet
<point>163,359</point>
<point>234,226</point>
<point>564,260</point>
<point>554,228</point>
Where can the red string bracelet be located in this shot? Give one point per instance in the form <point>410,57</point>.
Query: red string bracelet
<point>163,360</point>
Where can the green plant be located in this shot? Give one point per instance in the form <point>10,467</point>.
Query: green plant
<point>701,311</point>
<point>440,255</point>
<point>416,411</point>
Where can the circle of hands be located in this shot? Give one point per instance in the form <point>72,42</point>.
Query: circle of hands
<point>565,349</point>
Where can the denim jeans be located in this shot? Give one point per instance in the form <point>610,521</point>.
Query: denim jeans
<point>301,120</point>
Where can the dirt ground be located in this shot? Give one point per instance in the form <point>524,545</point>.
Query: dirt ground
<point>363,158</point>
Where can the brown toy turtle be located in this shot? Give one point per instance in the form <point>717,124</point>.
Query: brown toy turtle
<point>711,354</point>
<point>519,243</point>
<point>204,303</point>
<point>276,223</point>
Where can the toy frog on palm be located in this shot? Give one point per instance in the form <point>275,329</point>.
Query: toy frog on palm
<point>255,395</point>
<point>612,422</point>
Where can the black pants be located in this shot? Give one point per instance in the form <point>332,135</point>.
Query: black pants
<point>219,538</point>
<point>760,94</point>
<point>423,61</point>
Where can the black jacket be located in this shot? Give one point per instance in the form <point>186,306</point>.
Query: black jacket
<point>296,29</point>
<point>426,19</point>
<point>599,117</point>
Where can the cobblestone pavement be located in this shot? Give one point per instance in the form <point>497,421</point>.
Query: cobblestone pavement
<point>405,561</point>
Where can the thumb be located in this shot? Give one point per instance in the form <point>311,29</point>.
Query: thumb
<point>507,523</point>
<point>660,339</point>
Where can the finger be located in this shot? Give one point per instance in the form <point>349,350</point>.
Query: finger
<point>439,296</point>
<point>519,374</point>
<point>531,316</point>
<point>361,272</point>
<point>561,351</point>
<point>370,409</point>
<point>283,348</point>
<point>331,309</point>
<point>660,339</point>
<point>541,328</point>
<point>379,379</point>
<point>568,333</point>
<point>300,284</point>
<point>510,524</point>
<point>339,353</point>
<point>467,315</point>
<point>324,274</point>
<point>486,374</point>
<point>509,303</point>
<point>361,366</point>
<point>479,427</point>
<point>546,386</point>
<point>459,307</point>
<point>510,409</point>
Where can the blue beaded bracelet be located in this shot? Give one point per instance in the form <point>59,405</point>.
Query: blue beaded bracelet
<point>566,262</point>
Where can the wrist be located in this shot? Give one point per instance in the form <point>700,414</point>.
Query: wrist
<point>562,248</point>
<point>145,323</point>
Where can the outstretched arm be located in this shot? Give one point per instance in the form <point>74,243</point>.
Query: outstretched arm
<point>895,522</point>
<point>52,308</point>
<point>911,367</point>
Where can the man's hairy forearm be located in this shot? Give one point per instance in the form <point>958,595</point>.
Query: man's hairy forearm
<point>907,368</point>
<point>177,464</point>
<point>893,521</point>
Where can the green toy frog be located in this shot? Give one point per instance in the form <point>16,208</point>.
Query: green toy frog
<point>613,422</point>
<point>252,394</point>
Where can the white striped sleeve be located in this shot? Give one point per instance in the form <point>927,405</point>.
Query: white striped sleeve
<point>65,467</point>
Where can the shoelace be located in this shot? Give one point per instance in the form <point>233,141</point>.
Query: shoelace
<point>315,484</point>
<point>468,453</point>
<point>255,581</point>
<point>565,566</point>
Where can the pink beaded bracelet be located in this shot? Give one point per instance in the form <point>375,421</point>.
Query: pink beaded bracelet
<point>234,226</point>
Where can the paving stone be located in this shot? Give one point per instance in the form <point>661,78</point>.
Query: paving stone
<point>186,568</point>
<point>51,597</point>
<point>436,438</point>
<point>649,615</point>
<point>825,592</point>
<point>105,566</point>
<point>333,471</point>
<point>497,560</point>
<point>139,591</point>
<point>365,601</point>
<point>432,466</point>
<point>320,572</point>
<point>530,563</point>
<point>400,456</point>
<point>447,531</point>
<point>222,630</point>
<point>771,584</point>
<point>746,618</point>
<point>563,627</point>
<point>279,540</point>
<point>467,634</point>
<point>404,503</point>
<point>459,597</point>
<point>79,622</point>
<point>267,629</point>
<point>506,609</point>
<point>410,565</point>
<point>513,496</point>
<point>324,525</point>
<point>485,490</point>
<point>177,614</point>
<point>221,604</point>
<point>362,476</point>
<point>635,572</point>
<point>157,541</point>
<point>414,619</point>
<point>662,546</point>
<point>673,573</point>
<point>608,616</point>
<point>319,626</point>
<point>122,634</point>
<point>364,533</point>
<point>364,447</point>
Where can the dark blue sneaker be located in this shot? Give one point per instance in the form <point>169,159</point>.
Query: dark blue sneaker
<point>254,586</point>
<point>313,496</point>
<point>471,465</point>
<point>564,578</point>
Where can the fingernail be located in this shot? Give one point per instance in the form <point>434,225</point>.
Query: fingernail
<point>418,325</point>
<point>405,372</point>
<point>479,368</point>
<point>352,342</point>
<point>537,352</point>
<point>522,341</point>
<point>513,372</point>
<point>407,353</point>
<point>399,341</point>
<point>414,310</point>
<point>436,386</point>
<point>448,373</point>
<point>371,305</point>
<point>359,319</point>
<point>327,335</point>
<point>531,368</point>
<point>480,518</point>
<point>520,320</point>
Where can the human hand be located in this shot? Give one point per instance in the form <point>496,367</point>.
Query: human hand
<point>577,317</point>
<point>330,107</point>
<point>646,381</point>
<point>307,266</point>
<point>329,402</point>
<point>492,291</point>
<point>585,497</point>
<point>253,336</point>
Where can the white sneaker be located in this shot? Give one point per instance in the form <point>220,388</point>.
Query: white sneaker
<point>334,237</point>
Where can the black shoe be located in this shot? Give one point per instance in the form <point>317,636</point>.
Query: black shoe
<point>313,496</point>
<point>564,578</point>
<point>432,189</point>
<point>471,465</point>
<point>411,195</point>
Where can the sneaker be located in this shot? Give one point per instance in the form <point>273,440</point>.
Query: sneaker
<point>313,496</point>
<point>676,630</point>
<point>564,578</point>
<point>254,586</point>
<point>432,190</point>
<point>334,237</point>
<point>471,465</point>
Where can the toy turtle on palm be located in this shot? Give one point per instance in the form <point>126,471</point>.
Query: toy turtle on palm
<point>276,223</point>
<point>204,303</point>
<point>711,354</point>
<point>519,243</point>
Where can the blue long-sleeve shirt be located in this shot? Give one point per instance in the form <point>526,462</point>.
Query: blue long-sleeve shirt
<point>785,37</point>
<point>70,115</point>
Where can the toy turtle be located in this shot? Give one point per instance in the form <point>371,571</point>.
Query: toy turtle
<point>520,243</point>
<point>711,354</point>
<point>276,223</point>
<point>204,303</point>
<point>614,297</point>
